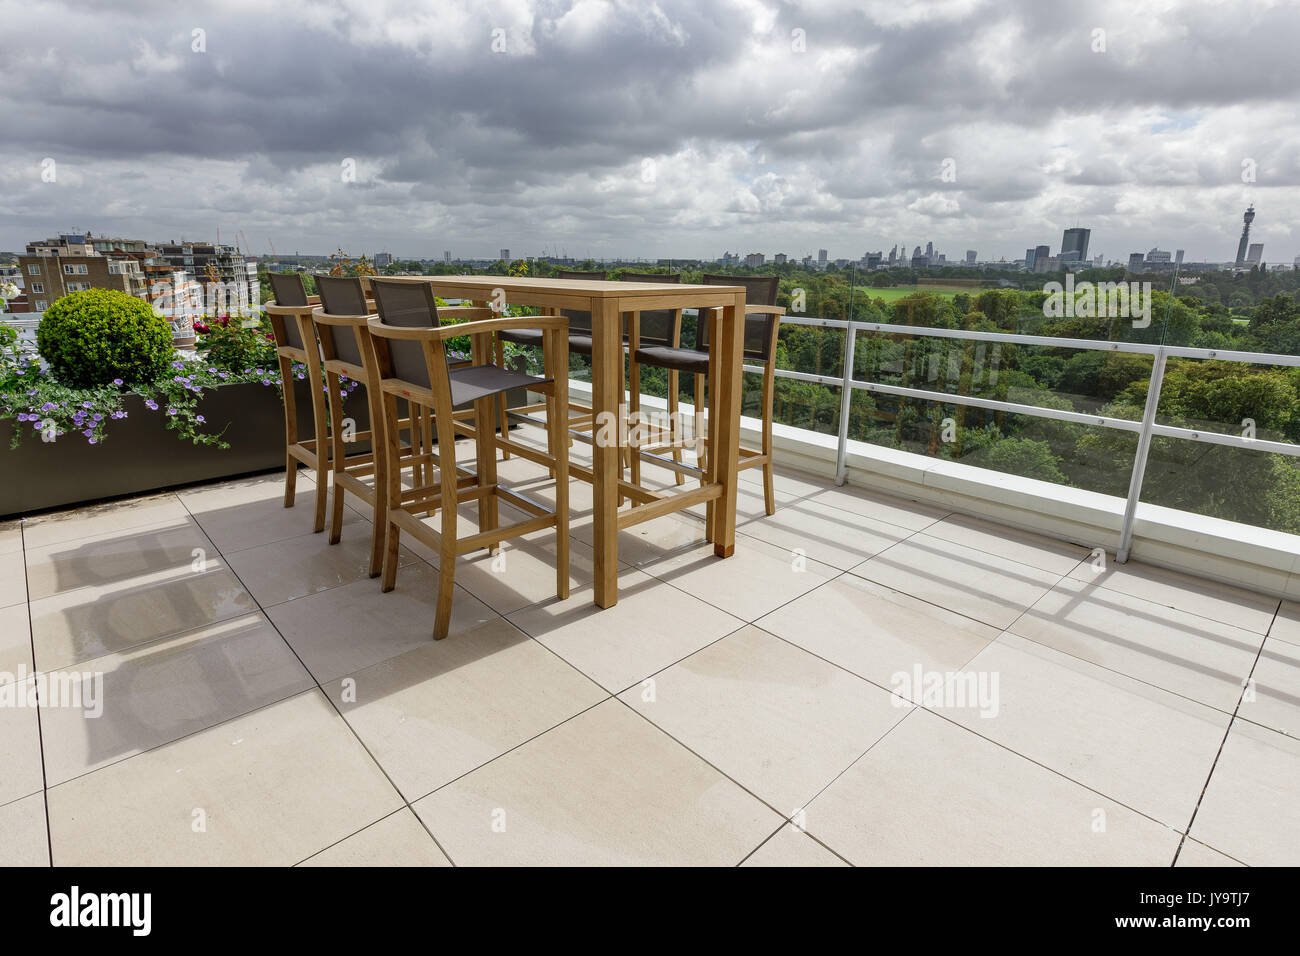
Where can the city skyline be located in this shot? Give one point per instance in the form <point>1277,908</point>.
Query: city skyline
<point>868,122</point>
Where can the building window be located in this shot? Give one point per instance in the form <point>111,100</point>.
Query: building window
<point>38,287</point>
<point>33,270</point>
<point>40,305</point>
<point>78,286</point>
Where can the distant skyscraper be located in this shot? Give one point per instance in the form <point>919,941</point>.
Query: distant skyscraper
<point>505,255</point>
<point>1074,245</point>
<point>1029,259</point>
<point>1136,262</point>
<point>383,259</point>
<point>970,256</point>
<point>821,258</point>
<point>1255,254</point>
<point>929,251</point>
<point>1246,220</point>
<point>1178,257</point>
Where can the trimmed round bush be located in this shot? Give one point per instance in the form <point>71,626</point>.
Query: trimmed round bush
<point>91,338</point>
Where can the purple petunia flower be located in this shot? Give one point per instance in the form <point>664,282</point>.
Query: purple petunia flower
<point>89,433</point>
<point>152,404</point>
<point>117,382</point>
<point>200,419</point>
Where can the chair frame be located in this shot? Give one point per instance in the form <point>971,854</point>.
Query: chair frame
<point>312,452</point>
<point>350,470</point>
<point>455,485</point>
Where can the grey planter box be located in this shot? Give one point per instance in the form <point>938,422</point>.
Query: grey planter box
<point>139,454</point>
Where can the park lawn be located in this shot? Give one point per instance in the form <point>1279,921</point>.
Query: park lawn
<point>896,292</point>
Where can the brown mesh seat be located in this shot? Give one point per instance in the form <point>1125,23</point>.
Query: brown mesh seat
<point>441,388</point>
<point>295,342</point>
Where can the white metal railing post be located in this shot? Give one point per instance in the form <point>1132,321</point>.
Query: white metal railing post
<point>1140,458</point>
<point>846,392</point>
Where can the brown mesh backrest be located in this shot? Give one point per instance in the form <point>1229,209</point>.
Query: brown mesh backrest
<point>412,305</point>
<point>288,290</point>
<point>759,290</point>
<point>656,324</point>
<point>578,321</point>
<point>342,295</point>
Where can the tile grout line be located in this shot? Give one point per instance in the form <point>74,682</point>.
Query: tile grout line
<point>1224,742</point>
<point>330,701</point>
<point>40,731</point>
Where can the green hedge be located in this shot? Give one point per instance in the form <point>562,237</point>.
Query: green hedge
<point>92,338</point>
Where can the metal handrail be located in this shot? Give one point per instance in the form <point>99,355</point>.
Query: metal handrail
<point>1146,429</point>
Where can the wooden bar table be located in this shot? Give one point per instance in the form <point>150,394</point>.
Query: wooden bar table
<point>607,301</point>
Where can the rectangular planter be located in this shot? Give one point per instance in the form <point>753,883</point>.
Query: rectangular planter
<point>139,454</point>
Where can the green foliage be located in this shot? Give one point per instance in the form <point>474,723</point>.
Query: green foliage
<point>230,343</point>
<point>91,338</point>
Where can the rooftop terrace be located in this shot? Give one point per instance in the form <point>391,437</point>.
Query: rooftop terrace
<point>264,703</point>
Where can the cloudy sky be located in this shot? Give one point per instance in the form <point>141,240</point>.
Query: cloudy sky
<point>656,129</point>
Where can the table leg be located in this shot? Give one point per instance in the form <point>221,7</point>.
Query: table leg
<point>606,383</point>
<point>724,456</point>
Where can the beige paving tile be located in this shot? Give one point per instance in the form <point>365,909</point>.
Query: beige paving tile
<point>441,710</point>
<point>1148,749</point>
<point>1025,547</point>
<point>652,625</point>
<point>1189,655</point>
<point>269,788</point>
<point>792,847</point>
<point>758,578</point>
<point>345,629</point>
<point>295,567</point>
<point>24,840</point>
<point>155,693</point>
<point>13,579</point>
<point>397,840</point>
<point>20,740</point>
<point>118,557</point>
<point>524,574</point>
<point>977,584</point>
<point>15,643</point>
<point>652,541</point>
<point>1204,598</point>
<point>912,515</point>
<point>1287,625</point>
<point>932,793</point>
<point>605,788</point>
<point>832,536</point>
<point>100,519</point>
<point>1197,854</point>
<point>248,513</point>
<point>876,632</point>
<point>11,536</point>
<point>774,718</point>
<point>1273,698</point>
<point>96,620</point>
<point>1249,810</point>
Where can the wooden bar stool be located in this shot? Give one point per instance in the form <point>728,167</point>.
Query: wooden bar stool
<point>419,373</point>
<point>762,325</point>
<point>340,322</point>
<point>655,328</point>
<point>295,341</point>
<point>580,415</point>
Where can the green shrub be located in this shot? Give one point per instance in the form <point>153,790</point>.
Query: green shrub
<point>91,338</point>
